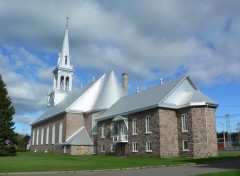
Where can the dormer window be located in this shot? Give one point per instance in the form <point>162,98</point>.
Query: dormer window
<point>65,60</point>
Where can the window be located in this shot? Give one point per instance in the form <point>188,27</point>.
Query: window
<point>148,146</point>
<point>65,60</point>
<point>103,131</point>
<point>64,149</point>
<point>33,137</point>
<point>42,133</point>
<point>184,123</point>
<point>47,135</point>
<point>148,124</point>
<point>185,145</point>
<point>60,133</point>
<point>53,134</point>
<point>112,129</point>
<point>37,137</point>
<point>103,148</point>
<point>94,124</point>
<point>134,126</point>
<point>135,147</point>
<point>111,148</point>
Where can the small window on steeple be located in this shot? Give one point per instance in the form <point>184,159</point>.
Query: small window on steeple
<point>65,60</point>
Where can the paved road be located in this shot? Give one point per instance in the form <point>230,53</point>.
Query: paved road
<point>187,170</point>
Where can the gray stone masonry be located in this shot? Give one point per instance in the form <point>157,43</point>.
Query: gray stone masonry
<point>168,133</point>
<point>204,132</point>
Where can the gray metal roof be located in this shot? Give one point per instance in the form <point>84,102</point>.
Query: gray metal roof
<point>81,137</point>
<point>153,97</point>
<point>97,95</point>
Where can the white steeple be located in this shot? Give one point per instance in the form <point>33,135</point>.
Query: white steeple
<point>63,73</point>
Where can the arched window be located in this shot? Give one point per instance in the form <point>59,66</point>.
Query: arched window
<point>67,83</point>
<point>65,60</point>
<point>62,82</point>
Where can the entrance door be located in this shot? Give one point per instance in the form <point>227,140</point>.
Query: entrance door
<point>121,151</point>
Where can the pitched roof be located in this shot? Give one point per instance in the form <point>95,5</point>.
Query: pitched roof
<point>81,137</point>
<point>155,97</point>
<point>97,95</point>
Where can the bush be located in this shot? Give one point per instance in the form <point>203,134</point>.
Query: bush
<point>8,150</point>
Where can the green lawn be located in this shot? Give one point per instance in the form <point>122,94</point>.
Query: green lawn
<point>34,162</point>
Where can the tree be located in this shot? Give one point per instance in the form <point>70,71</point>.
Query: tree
<point>7,134</point>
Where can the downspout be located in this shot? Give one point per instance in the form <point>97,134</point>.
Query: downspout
<point>206,123</point>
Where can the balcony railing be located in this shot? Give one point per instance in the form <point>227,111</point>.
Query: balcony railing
<point>120,138</point>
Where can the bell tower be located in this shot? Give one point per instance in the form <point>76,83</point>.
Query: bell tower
<point>63,74</point>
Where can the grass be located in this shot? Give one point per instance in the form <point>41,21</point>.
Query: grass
<point>38,162</point>
<point>227,173</point>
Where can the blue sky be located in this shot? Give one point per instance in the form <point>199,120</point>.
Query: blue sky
<point>147,39</point>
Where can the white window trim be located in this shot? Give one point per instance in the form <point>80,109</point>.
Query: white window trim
<point>148,125</point>
<point>147,147</point>
<point>53,134</point>
<point>102,148</point>
<point>33,137</point>
<point>60,133</point>
<point>184,123</point>
<point>94,124</point>
<point>47,135</point>
<point>134,147</point>
<point>134,127</point>
<point>37,137</point>
<point>183,146</point>
<point>112,129</point>
<point>42,134</point>
<point>111,148</point>
<point>64,149</point>
<point>103,131</point>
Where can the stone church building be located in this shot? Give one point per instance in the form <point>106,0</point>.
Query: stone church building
<point>168,120</point>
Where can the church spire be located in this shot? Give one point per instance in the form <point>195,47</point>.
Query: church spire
<point>63,73</point>
<point>64,59</point>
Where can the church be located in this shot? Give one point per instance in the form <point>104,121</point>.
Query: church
<point>171,119</point>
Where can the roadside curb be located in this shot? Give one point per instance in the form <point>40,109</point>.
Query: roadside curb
<point>101,170</point>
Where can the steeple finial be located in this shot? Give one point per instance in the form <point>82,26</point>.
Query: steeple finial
<point>67,22</point>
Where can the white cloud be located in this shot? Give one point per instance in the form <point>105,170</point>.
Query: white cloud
<point>147,39</point>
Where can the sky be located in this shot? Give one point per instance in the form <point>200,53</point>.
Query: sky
<point>149,40</point>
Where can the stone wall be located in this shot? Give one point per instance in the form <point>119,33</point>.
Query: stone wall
<point>50,147</point>
<point>73,123</point>
<point>168,127</point>
<point>81,150</point>
<point>204,132</point>
<point>142,137</point>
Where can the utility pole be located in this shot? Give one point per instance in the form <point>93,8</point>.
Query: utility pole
<point>224,142</point>
<point>228,128</point>
<point>238,129</point>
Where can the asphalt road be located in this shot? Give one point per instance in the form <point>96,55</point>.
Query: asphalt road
<point>186,170</point>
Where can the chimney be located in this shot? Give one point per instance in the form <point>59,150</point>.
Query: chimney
<point>161,81</point>
<point>125,82</point>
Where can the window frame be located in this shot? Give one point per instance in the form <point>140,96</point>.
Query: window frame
<point>184,123</point>
<point>148,146</point>
<point>53,133</point>
<point>60,136</point>
<point>102,148</point>
<point>134,147</point>
<point>94,124</point>
<point>148,124</point>
<point>42,135</point>
<point>134,126</point>
<point>103,131</point>
<point>185,145</point>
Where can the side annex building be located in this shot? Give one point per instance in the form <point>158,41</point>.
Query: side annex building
<point>168,120</point>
